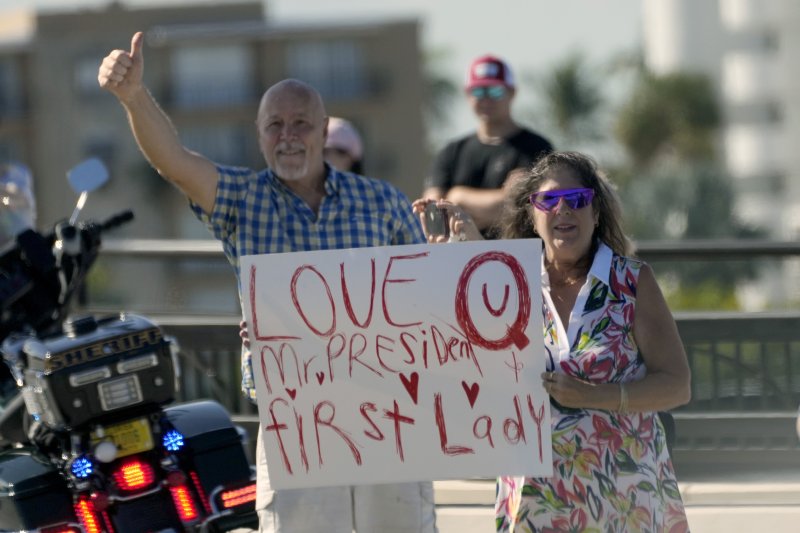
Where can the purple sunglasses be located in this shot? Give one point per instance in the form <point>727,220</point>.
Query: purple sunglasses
<point>574,198</point>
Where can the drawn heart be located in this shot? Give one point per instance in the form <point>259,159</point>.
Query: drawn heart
<point>411,384</point>
<point>292,393</point>
<point>320,377</point>
<point>472,392</point>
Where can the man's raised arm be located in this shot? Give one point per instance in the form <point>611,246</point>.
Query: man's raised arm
<point>121,74</point>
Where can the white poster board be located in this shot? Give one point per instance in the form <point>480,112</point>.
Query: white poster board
<point>401,363</point>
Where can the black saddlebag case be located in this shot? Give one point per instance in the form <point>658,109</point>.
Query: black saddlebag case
<point>213,445</point>
<point>32,492</point>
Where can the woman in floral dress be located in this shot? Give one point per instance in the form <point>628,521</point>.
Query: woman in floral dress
<point>614,358</point>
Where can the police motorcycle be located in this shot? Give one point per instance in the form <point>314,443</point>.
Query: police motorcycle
<point>89,440</point>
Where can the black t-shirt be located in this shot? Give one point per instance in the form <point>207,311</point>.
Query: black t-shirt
<point>469,162</point>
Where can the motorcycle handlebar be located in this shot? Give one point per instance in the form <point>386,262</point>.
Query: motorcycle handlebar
<point>38,279</point>
<point>117,220</point>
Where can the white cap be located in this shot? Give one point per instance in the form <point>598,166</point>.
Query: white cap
<point>344,136</point>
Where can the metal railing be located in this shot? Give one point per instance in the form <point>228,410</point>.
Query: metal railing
<point>740,361</point>
<point>746,385</point>
<point>647,250</point>
<point>745,366</point>
<point>196,271</point>
<point>716,249</point>
<point>743,362</point>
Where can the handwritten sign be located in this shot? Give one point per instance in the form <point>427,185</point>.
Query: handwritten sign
<point>401,363</point>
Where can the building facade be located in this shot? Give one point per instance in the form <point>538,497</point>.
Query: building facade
<point>207,65</point>
<point>750,49</point>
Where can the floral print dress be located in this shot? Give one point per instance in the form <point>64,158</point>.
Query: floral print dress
<point>611,471</point>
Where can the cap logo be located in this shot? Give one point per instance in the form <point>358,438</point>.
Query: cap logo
<point>487,70</point>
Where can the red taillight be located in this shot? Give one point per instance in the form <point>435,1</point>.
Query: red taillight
<point>184,503</point>
<point>199,488</point>
<point>236,497</point>
<point>88,516</point>
<point>134,475</point>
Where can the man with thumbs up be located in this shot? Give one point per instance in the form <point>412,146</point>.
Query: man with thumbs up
<point>295,204</point>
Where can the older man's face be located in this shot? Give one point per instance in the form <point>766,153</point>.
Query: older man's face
<point>292,128</point>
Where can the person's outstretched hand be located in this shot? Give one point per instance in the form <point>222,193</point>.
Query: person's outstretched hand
<point>121,71</point>
<point>461,225</point>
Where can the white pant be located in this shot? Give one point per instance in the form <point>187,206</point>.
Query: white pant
<point>396,508</point>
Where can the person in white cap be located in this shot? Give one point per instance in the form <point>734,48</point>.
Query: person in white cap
<point>17,205</point>
<point>472,170</point>
<point>343,147</point>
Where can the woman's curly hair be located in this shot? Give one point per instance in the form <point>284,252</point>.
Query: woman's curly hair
<point>516,221</point>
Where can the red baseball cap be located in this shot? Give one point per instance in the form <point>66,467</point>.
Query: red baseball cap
<point>489,70</point>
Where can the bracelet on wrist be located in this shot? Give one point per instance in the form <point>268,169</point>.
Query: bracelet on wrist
<point>623,399</point>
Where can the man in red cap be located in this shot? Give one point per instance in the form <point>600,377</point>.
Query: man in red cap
<point>471,171</point>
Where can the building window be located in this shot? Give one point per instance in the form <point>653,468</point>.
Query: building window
<point>212,76</point>
<point>100,146</point>
<point>747,77</point>
<point>9,151</point>
<point>748,15</point>
<point>11,99</point>
<point>753,150</point>
<point>85,76</point>
<point>223,144</point>
<point>334,68</point>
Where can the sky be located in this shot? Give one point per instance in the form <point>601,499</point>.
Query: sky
<point>531,35</point>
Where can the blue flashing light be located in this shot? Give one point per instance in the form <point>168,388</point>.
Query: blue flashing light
<point>82,467</point>
<point>172,440</point>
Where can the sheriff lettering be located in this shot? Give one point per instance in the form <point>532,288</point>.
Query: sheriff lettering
<point>141,339</point>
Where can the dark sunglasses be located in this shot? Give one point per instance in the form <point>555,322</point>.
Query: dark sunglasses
<point>493,92</point>
<point>574,198</point>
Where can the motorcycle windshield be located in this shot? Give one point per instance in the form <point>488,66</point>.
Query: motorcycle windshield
<point>17,205</point>
<point>11,225</point>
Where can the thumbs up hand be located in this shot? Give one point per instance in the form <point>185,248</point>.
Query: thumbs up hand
<point>121,71</point>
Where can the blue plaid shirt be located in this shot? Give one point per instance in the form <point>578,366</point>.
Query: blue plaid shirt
<point>254,213</point>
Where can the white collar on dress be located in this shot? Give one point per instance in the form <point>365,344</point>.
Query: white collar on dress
<point>601,265</point>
